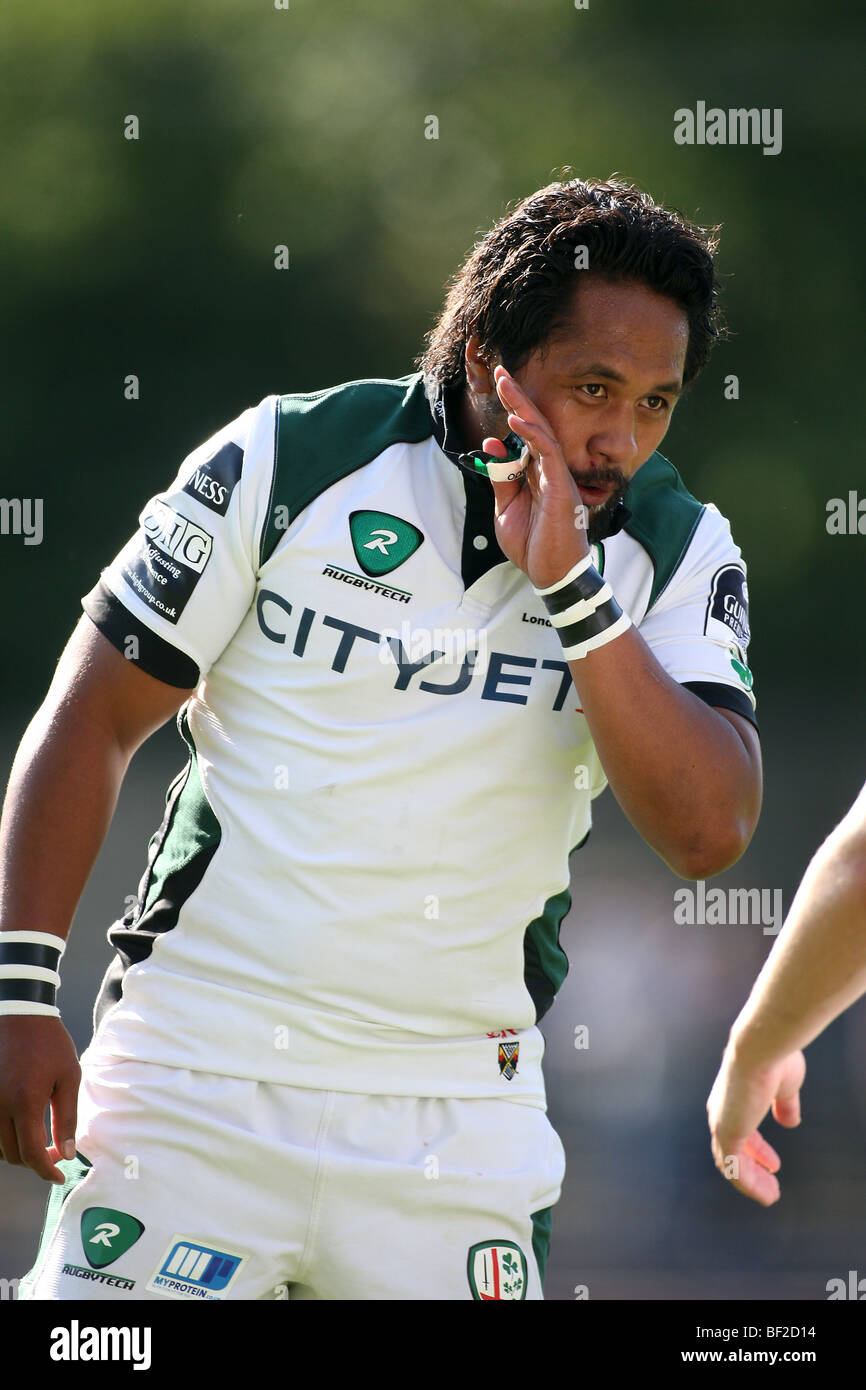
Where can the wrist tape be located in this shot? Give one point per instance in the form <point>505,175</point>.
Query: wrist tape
<point>29,977</point>
<point>583,610</point>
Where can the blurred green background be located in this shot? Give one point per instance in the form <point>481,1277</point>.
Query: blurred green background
<point>306,127</point>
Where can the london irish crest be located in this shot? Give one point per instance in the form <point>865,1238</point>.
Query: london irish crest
<point>497,1271</point>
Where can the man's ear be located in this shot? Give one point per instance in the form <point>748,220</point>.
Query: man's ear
<point>479,368</point>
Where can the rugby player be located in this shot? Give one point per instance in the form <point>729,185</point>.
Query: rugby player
<point>404,656</point>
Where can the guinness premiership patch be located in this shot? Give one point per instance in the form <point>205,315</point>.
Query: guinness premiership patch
<point>728,607</point>
<point>214,481</point>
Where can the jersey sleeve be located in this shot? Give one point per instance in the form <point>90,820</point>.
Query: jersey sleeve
<point>177,592</point>
<point>698,627</point>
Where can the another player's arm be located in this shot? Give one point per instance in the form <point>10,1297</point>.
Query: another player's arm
<point>817,966</point>
<point>687,776</point>
<point>59,802</point>
<point>816,970</point>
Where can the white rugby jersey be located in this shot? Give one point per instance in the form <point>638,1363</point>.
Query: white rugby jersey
<point>361,873</point>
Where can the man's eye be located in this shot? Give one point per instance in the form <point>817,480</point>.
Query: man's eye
<point>660,403</point>
<point>592,387</point>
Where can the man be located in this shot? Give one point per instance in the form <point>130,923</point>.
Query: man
<point>816,970</point>
<point>400,682</point>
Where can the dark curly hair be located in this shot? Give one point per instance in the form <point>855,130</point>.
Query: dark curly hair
<point>514,288</point>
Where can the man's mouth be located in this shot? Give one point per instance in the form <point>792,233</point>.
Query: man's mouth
<point>595,496</point>
<point>604,501</point>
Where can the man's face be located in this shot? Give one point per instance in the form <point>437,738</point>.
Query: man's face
<point>608,386</point>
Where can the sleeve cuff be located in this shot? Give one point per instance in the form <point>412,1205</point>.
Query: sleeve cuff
<point>155,656</point>
<point>723,697</point>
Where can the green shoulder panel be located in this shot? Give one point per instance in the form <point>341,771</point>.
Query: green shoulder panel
<point>322,436</point>
<point>664,516</point>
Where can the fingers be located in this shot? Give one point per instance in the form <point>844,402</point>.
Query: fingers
<point>756,1147</point>
<point>749,1166</point>
<point>494,446</point>
<point>755,1182</point>
<point>525,419</point>
<point>786,1110</point>
<point>786,1106</point>
<point>9,1143</point>
<point>541,443</point>
<point>38,1068</point>
<point>509,392</point>
<point>740,1098</point>
<point>22,1133</point>
<point>515,400</point>
<point>30,1137</point>
<point>504,492</point>
<point>64,1113</point>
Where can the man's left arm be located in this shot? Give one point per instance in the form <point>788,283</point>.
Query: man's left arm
<point>687,775</point>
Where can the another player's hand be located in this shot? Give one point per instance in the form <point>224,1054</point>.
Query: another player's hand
<point>38,1067</point>
<point>738,1103</point>
<point>539,519</point>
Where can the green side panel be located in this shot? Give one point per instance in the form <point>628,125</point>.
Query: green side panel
<point>541,1223</point>
<point>545,962</point>
<point>193,835</point>
<point>325,435</point>
<point>73,1169</point>
<point>664,518</point>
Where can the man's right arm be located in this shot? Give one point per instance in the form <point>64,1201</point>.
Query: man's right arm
<point>60,799</point>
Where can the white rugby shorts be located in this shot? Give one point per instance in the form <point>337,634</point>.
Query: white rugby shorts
<point>196,1186</point>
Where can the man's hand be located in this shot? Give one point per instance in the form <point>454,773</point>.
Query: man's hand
<point>539,518</point>
<point>38,1067</point>
<point>739,1101</point>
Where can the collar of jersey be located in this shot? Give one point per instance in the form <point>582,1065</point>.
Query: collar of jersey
<point>444,407</point>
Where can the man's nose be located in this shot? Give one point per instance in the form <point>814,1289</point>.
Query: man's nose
<point>613,441</point>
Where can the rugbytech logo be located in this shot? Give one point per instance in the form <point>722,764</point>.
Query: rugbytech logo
<point>106,1234</point>
<point>381,541</point>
